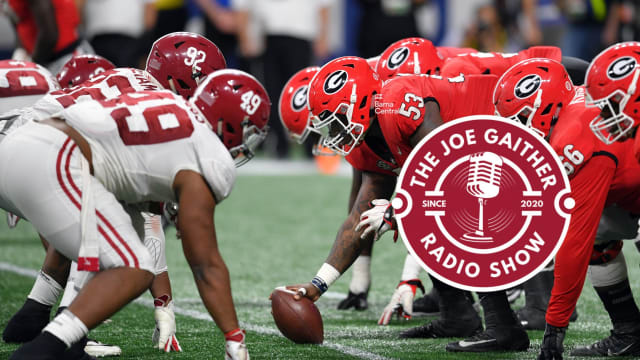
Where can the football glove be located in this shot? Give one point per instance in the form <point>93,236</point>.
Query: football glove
<point>164,335</point>
<point>401,302</point>
<point>235,347</point>
<point>378,219</point>
<point>552,348</point>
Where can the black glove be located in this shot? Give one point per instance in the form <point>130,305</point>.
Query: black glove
<point>552,348</point>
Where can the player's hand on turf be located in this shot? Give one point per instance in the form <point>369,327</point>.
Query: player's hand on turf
<point>401,303</point>
<point>305,290</point>
<point>552,348</point>
<point>164,335</point>
<point>378,220</point>
<point>235,347</point>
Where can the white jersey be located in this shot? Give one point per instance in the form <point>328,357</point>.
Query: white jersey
<point>107,85</point>
<point>23,83</point>
<point>140,141</point>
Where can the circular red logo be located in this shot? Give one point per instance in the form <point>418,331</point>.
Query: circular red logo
<point>483,203</point>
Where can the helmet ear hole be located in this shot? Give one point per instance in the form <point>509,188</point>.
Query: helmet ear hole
<point>183,84</point>
<point>546,109</point>
<point>363,103</point>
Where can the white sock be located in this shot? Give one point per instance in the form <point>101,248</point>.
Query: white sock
<point>411,269</point>
<point>46,290</point>
<point>361,278</point>
<point>67,327</point>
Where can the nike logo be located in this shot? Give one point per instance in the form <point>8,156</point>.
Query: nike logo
<point>465,343</point>
<point>399,150</point>
<point>617,353</point>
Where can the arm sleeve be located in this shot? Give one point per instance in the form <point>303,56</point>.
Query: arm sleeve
<point>589,189</point>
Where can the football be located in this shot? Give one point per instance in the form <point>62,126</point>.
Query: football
<point>299,321</point>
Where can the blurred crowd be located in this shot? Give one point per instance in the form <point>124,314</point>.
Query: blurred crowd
<point>273,39</point>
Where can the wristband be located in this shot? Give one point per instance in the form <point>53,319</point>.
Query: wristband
<point>415,283</point>
<point>320,284</point>
<point>326,276</point>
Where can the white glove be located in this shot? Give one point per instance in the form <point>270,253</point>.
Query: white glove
<point>401,302</point>
<point>164,335</point>
<point>235,347</point>
<point>377,219</point>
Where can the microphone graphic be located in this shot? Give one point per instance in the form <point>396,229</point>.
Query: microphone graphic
<point>483,182</point>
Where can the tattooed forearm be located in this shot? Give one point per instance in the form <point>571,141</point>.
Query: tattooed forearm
<point>348,243</point>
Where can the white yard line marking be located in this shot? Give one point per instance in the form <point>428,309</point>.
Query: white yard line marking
<point>206,317</point>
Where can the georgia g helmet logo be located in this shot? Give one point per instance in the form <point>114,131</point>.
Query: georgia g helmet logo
<point>335,82</point>
<point>527,86</point>
<point>398,57</point>
<point>299,99</point>
<point>621,67</point>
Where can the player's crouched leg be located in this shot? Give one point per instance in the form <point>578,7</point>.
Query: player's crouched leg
<point>41,180</point>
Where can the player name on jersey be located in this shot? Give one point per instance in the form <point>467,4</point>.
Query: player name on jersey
<point>492,203</point>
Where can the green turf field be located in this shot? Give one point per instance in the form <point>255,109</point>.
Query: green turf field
<point>275,231</point>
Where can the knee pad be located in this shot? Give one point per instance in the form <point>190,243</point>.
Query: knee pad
<point>608,273</point>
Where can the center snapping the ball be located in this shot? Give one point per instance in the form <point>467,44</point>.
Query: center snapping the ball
<point>298,320</point>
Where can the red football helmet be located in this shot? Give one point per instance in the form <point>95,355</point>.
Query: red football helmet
<point>534,91</point>
<point>294,113</point>
<point>611,83</point>
<point>237,107</point>
<point>341,101</point>
<point>81,68</point>
<point>181,60</point>
<point>373,61</point>
<point>409,56</point>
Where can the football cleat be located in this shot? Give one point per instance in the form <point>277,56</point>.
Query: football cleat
<point>356,301</point>
<point>534,319</point>
<point>617,344</point>
<point>493,339</point>
<point>427,305</point>
<point>12,220</point>
<point>441,328</point>
<point>27,323</point>
<point>97,349</point>
<point>77,351</point>
<point>531,318</point>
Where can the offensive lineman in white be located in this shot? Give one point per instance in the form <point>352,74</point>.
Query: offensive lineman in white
<point>34,314</point>
<point>148,146</point>
<point>172,60</point>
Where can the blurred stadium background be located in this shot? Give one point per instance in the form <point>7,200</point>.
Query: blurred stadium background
<point>272,39</point>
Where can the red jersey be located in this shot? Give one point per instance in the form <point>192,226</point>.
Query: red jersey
<point>592,167</point>
<point>364,158</point>
<point>402,100</point>
<point>493,62</point>
<point>67,20</point>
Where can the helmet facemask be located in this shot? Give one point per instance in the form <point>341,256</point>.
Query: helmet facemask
<point>340,134</point>
<point>252,137</point>
<point>612,124</point>
<point>527,113</point>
